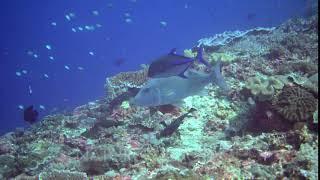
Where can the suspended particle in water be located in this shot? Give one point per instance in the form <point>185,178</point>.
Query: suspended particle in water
<point>20,107</point>
<point>98,25</point>
<point>95,12</point>
<point>53,24</point>
<point>127,15</point>
<point>42,107</point>
<point>91,53</point>
<point>35,55</point>
<point>67,67</point>
<point>48,47</point>
<point>51,57</point>
<point>110,5</point>
<point>67,17</point>
<point>163,23</point>
<point>24,71</point>
<point>18,73</point>
<point>80,68</point>
<point>89,28</point>
<point>30,53</point>
<point>80,28</point>
<point>30,89</point>
<point>72,15</point>
<point>128,20</point>
<point>73,29</point>
<point>46,76</point>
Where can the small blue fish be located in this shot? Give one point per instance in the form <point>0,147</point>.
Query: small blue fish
<point>173,64</point>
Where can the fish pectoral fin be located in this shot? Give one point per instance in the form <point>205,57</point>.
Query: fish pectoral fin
<point>168,92</point>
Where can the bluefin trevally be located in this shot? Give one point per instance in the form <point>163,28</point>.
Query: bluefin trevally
<point>170,90</point>
<point>173,64</point>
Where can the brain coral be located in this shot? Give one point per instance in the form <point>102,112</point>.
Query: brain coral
<point>295,103</point>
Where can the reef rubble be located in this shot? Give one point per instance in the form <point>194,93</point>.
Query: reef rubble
<point>265,128</point>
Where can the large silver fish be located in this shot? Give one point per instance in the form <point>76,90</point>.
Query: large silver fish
<point>170,90</point>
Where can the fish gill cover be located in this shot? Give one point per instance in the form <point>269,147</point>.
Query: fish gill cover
<point>56,56</point>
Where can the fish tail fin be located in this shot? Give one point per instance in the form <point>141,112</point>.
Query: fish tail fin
<point>217,77</point>
<point>200,56</point>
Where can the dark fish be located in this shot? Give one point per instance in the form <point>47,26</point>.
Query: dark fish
<point>119,61</point>
<point>122,97</point>
<point>30,115</point>
<point>106,123</point>
<point>171,128</point>
<point>251,16</point>
<point>173,64</point>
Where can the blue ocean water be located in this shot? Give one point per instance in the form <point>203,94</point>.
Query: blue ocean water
<point>56,55</point>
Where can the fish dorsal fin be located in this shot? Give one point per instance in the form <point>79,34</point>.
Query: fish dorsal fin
<point>173,51</point>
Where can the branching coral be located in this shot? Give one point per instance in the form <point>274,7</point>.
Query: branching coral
<point>295,103</point>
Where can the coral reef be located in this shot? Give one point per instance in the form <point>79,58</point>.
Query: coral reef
<point>265,128</point>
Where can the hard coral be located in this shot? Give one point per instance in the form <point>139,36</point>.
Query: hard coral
<point>106,157</point>
<point>121,82</point>
<point>263,87</point>
<point>264,119</point>
<point>295,103</point>
<point>60,175</point>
